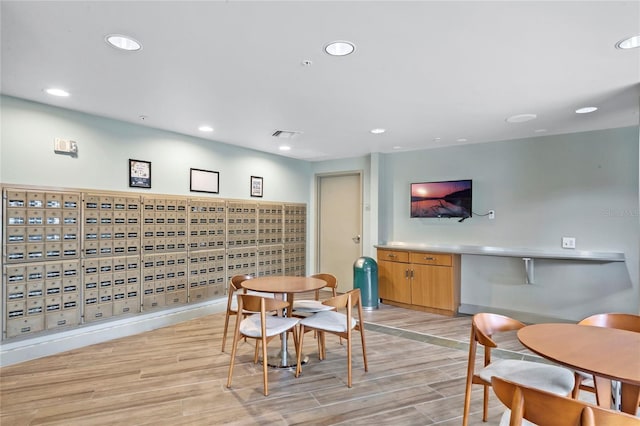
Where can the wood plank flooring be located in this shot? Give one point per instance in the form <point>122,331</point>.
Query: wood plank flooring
<point>177,376</point>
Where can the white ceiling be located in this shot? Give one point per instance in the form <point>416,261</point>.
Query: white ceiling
<point>431,73</point>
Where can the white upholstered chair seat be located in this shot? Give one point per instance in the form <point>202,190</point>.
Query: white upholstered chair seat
<point>550,378</point>
<point>310,306</point>
<point>250,326</point>
<point>328,320</point>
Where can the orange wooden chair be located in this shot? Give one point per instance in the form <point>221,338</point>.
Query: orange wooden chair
<point>534,406</point>
<point>601,386</point>
<point>304,307</point>
<point>261,326</point>
<point>552,378</point>
<point>338,323</point>
<point>235,284</point>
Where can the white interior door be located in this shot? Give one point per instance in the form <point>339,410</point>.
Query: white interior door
<point>339,226</point>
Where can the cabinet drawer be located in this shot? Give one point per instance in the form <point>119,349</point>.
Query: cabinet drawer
<point>393,255</point>
<point>442,259</point>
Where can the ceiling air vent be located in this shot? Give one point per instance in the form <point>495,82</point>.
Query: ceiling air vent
<point>285,134</point>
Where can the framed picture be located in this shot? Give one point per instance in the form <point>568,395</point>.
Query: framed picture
<point>204,181</point>
<point>139,173</point>
<point>256,186</point>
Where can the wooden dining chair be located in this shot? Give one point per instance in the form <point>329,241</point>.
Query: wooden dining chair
<point>235,284</point>
<point>304,307</point>
<point>599,385</point>
<point>552,378</point>
<point>534,406</point>
<point>338,323</point>
<point>260,326</point>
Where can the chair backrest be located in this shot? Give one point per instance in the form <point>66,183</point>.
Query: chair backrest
<point>254,303</point>
<point>347,300</point>
<point>485,325</point>
<point>627,322</point>
<point>237,280</point>
<point>544,408</point>
<point>235,284</point>
<point>331,280</point>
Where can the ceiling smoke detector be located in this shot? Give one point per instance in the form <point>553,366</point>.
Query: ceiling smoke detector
<point>285,134</point>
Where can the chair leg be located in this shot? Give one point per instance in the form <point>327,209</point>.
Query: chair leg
<point>224,333</point>
<point>364,350</point>
<point>603,391</point>
<point>485,403</point>
<point>299,352</point>
<point>576,387</point>
<point>255,352</point>
<point>467,402</point>
<point>265,367</point>
<point>349,363</point>
<point>233,358</point>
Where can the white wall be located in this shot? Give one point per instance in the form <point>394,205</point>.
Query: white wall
<point>581,185</point>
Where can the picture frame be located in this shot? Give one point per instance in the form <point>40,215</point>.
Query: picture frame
<point>204,181</point>
<point>139,173</point>
<point>256,186</point>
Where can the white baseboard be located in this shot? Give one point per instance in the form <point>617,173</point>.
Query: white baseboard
<point>526,317</point>
<point>26,349</point>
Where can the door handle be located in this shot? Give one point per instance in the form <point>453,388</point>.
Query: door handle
<point>356,239</point>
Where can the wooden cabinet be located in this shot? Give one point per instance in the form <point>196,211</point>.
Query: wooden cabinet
<point>420,280</point>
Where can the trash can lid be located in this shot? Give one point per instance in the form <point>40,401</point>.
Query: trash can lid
<point>365,262</point>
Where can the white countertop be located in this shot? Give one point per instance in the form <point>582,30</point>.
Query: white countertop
<point>566,254</point>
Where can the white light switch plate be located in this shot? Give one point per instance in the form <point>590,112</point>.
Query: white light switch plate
<point>568,242</point>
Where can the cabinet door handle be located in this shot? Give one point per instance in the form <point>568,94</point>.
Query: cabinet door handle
<point>391,255</point>
<point>412,274</point>
<point>406,273</point>
<point>429,258</point>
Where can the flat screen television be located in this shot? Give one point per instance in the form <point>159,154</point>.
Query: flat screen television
<point>441,199</point>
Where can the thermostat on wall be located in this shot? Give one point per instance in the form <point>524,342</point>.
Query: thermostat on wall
<point>65,146</point>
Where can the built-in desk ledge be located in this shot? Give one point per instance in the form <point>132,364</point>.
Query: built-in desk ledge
<point>527,255</point>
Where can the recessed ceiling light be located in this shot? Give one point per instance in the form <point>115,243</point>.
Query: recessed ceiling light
<point>339,48</point>
<point>461,140</point>
<point>377,131</point>
<point>205,128</point>
<point>521,118</point>
<point>284,148</point>
<point>123,42</point>
<point>397,147</point>
<point>629,43</point>
<point>540,130</point>
<point>57,92</point>
<point>437,139</point>
<point>586,110</point>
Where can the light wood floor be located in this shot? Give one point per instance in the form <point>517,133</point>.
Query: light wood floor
<point>177,376</point>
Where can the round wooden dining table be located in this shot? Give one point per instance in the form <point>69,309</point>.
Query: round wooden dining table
<point>282,286</point>
<point>605,352</point>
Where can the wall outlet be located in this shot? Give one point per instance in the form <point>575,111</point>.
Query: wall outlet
<point>492,214</point>
<point>64,146</point>
<point>568,242</point>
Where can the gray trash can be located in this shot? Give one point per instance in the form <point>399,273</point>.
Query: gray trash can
<point>365,277</point>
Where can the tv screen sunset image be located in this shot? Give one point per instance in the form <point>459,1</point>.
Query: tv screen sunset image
<point>441,199</point>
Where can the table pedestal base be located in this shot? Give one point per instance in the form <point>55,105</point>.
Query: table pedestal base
<point>286,361</point>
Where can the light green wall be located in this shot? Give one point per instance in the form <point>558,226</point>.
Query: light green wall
<point>581,185</point>
<point>104,147</point>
